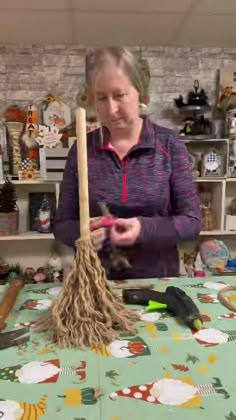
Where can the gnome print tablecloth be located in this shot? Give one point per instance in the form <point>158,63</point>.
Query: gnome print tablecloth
<point>165,370</point>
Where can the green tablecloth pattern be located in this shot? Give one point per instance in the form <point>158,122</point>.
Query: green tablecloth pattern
<point>165,370</point>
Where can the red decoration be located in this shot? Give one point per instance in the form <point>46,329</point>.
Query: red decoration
<point>15,114</point>
<point>182,368</point>
<point>136,347</point>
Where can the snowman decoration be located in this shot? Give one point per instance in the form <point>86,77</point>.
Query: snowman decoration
<point>44,217</point>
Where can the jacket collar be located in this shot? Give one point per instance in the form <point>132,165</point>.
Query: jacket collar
<point>147,137</point>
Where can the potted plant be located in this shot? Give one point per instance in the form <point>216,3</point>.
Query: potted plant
<point>9,213</point>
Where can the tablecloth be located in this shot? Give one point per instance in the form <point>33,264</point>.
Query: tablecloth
<point>165,370</point>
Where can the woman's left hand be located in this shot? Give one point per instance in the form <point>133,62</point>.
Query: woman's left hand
<point>125,231</point>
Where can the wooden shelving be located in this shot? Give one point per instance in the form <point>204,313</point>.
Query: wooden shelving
<point>28,236</point>
<point>34,249</point>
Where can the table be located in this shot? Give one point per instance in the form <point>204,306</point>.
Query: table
<point>165,370</point>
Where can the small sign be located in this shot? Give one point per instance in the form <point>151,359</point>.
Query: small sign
<point>32,119</point>
<point>48,137</point>
<point>57,114</point>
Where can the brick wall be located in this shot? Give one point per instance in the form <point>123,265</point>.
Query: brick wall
<point>31,72</point>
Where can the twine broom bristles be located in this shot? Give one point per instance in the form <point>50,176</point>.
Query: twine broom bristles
<point>87,312</point>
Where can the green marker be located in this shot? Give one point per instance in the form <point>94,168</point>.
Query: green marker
<point>153,306</point>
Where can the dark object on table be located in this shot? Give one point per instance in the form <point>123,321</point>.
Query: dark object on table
<point>14,338</point>
<point>180,304</point>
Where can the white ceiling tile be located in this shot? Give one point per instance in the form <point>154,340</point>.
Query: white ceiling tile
<point>145,6</point>
<point>215,6</point>
<point>206,31</point>
<point>100,29</point>
<point>35,4</point>
<point>35,27</point>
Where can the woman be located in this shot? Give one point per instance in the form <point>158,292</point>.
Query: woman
<point>138,169</point>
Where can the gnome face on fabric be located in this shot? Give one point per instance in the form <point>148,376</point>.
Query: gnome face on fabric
<point>214,285</point>
<point>212,337</point>
<point>128,348</point>
<point>37,372</point>
<point>153,316</point>
<point>170,391</point>
<point>13,410</point>
<point>10,410</point>
<point>208,285</point>
<point>38,305</point>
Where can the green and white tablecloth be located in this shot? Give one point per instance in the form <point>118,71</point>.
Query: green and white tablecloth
<point>164,372</point>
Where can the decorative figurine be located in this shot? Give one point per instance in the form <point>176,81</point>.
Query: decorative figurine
<point>31,130</point>
<point>194,109</point>
<point>44,217</point>
<point>194,98</point>
<point>55,267</point>
<point>212,164</point>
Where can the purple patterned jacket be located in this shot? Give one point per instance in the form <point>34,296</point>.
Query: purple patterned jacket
<point>154,182</point>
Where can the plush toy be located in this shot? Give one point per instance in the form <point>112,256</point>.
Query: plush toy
<point>214,254</point>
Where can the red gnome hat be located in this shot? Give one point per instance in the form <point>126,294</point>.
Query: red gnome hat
<point>138,392</point>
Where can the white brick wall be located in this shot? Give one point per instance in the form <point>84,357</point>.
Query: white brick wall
<point>31,72</point>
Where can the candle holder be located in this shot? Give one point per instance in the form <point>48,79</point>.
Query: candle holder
<point>15,130</point>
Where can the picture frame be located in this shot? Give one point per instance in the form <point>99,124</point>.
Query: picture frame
<point>35,201</point>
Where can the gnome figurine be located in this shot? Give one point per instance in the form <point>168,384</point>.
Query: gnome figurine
<point>44,217</point>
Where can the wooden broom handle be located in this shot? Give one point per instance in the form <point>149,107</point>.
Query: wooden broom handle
<point>9,299</point>
<point>82,165</point>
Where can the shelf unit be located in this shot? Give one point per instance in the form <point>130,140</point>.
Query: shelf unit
<point>223,190</point>
<point>30,248</point>
<point>34,249</point>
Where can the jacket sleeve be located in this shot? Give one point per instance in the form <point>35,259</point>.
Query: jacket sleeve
<point>66,225</point>
<point>184,222</point>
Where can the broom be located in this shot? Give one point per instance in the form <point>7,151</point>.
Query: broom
<point>87,311</point>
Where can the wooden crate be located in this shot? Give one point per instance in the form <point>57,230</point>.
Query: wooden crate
<point>52,163</point>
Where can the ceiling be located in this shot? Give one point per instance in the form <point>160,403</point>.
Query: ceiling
<point>192,23</point>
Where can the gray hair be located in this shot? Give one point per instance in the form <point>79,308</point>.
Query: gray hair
<point>136,69</point>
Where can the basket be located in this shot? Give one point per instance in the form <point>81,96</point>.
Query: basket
<point>9,223</point>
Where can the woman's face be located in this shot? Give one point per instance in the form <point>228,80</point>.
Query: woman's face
<point>116,99</point>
